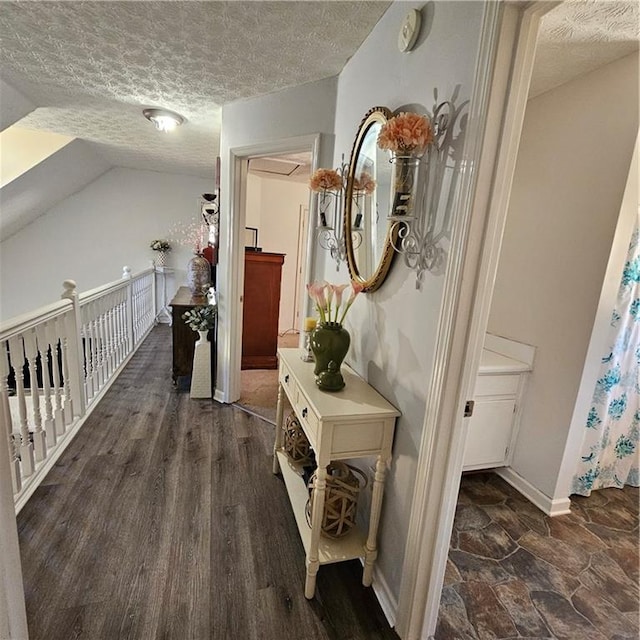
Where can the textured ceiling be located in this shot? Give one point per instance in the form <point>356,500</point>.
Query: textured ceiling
<point>579,36</point>
<point>92,66</point>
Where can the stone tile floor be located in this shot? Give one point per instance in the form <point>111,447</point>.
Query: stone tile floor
<point>513,572</point>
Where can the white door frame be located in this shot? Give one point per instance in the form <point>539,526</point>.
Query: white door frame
<point>232,286</point>
<point>502,78</point>
<point>301,271</point>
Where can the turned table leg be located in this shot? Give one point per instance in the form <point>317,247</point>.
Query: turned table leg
<point>313,558</point>
<point>371,548</point>
<point>277,444</point>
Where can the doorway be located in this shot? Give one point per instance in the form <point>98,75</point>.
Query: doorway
<point>276,206</point>
<point>469,287</point>
<point>555,221</point>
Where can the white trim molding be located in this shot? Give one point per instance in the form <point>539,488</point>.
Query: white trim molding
<point>550,506</point>
<point>232,273</point>
<point>388,603</point>
<point>502,77</point>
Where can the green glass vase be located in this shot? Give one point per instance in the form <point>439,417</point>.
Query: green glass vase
<point>329,342</point>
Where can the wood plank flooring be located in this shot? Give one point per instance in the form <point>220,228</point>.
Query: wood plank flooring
<point>163,521</point>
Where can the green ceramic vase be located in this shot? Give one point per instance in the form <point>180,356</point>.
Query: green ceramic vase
<point>329,343</point>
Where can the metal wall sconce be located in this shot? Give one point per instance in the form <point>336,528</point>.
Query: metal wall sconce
<point>424,192</point>
<point>329,189</point>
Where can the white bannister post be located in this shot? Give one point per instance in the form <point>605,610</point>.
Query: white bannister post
<point>13,615</point>
<point>154,294</point>
<point>75,350</point>
<point>126,275</point>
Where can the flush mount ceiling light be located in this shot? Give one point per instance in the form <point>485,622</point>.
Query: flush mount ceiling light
<point>163,119</point>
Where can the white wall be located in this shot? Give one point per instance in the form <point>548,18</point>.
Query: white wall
<point>572,167</point>
<point>266,121</point>
<point>91,235</point>
<point>273,207</point>
<point>393,330</point>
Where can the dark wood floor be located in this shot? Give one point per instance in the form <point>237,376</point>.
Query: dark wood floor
<point>163,521</point>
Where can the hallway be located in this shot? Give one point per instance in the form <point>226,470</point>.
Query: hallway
<point>163,520</point>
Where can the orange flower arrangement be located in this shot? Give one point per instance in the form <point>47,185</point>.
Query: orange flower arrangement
<point>406,133</point>
<point>364,183</point>
<point>325,180</point>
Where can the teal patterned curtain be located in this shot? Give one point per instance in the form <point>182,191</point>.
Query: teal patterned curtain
<point>610,452</point>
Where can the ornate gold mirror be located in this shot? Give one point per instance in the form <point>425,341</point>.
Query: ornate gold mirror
<point>368,203</point>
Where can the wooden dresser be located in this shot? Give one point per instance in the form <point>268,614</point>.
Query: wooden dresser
<point>184,338</point>
<point>261,309</point>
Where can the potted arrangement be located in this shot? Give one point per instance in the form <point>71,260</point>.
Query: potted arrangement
<point>162,247</point>
<point>201,319</point>
<point>327,183</point>
<point>330,340</point>
<point>407,137</point>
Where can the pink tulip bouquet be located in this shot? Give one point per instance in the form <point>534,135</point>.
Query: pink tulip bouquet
<point>329,300</point>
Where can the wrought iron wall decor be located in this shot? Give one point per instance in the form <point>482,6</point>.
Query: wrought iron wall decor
<point>420,233</point>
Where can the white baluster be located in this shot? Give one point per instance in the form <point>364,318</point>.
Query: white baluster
<point>95,350</point>
<point>104,374</point>
<point>73,349</point>
<point>53,333</point>
<point>31,353</point>
<point>66,387</point>
<point>86,373</point>
<point>126,274</point>
<point>111,357</point>
<point>47,361</point>
<point>16,352</point>
<point>7,421</point>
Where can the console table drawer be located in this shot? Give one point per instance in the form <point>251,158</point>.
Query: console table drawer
<point>286,379</point>
<point>307,417</point>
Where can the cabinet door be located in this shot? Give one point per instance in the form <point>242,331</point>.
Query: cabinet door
<point>489,433</point>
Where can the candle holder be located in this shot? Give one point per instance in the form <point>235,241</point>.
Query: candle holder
<point>309,326</point>
<point>307,354</point>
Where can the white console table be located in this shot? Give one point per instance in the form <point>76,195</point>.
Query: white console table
<point>352,423</point>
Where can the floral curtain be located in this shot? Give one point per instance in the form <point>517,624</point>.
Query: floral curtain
<point>609,456</point>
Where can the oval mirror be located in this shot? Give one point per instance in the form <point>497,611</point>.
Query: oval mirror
<point>368,201</point>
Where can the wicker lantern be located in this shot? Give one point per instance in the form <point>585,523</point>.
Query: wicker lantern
<point>341,498</point>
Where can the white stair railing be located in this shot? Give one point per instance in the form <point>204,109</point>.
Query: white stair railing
<point>57,361</point>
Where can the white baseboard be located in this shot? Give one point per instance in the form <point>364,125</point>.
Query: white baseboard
<point>550,506</point>
<point>385,597</point>
<point>388,603</point>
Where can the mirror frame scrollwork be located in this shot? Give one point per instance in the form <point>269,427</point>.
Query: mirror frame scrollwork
<point>375,115</point>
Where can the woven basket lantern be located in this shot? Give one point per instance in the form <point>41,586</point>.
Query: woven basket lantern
<point>341,499</point>
<point>295,444</point>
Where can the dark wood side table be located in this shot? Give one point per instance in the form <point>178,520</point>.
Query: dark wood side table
<point>184,339</point>
<point>261,309</point>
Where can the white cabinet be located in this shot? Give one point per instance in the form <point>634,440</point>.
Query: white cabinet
<point>498,395</point>
<point>352,423</point>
